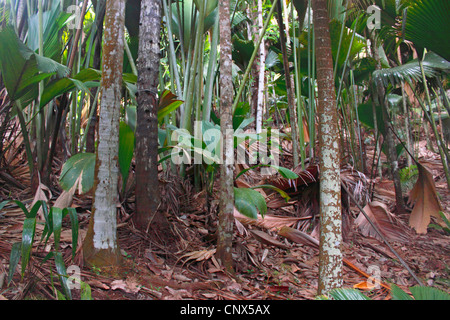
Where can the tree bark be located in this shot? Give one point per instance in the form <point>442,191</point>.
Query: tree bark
<point>289,89</point>
<point>261,72</point>
<point>226,200</point>
<point>96,64</point>
<point>330,255</point>
<point>147,191</point>
<point>100,246</point>
<point>389,139</point>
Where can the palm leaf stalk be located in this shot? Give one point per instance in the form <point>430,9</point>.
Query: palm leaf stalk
<point>443,152</point>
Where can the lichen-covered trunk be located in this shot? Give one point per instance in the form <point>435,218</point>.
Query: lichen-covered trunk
<point>100,246</point>
<point>226,196</point>
<point>261,73</point>
<point>330,255</point>
<point>147,192</point>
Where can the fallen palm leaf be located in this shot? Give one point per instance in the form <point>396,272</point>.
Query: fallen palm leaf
<point>267,239</point>
<point>268,222</point>
<point>427,203</point>
<point>298,236</point>
<point>200,255</point>
<point>383,219</point>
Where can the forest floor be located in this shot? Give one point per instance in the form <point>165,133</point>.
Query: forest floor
<point>267,265</point>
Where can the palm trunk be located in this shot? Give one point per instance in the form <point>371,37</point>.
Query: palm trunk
<point>96,64</point>
<point>289,89</point>
<point>100,246</point>
<point>261,73</point>
<point>391,152</point>
<point>226,201</point>
<point>147,192</point>
<point>330,255</point>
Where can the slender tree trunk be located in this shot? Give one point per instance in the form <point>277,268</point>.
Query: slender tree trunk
<point>261,73</point>
<point>226,201</point>
<point>100,246</point>
<point>289,89</point>
<point>96,64</point>
<point>147,192</point>
<point>330,255</point>
<point>389,138</point>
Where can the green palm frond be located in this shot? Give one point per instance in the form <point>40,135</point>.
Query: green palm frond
<point>433,65</point>
<point>427,25</point>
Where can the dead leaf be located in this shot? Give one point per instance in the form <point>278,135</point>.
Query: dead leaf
<point>298,236</point>
<point>43,193</point>
<point>268,222</point>
<point>267,239</point>
<point>66,197</point>
<point>199,255</point>
<point>177,294</point>
<point>98,284</point>
<point>427,203</point>
<point>129,285</point>
<point>384,220</point>
<point>364,285</point>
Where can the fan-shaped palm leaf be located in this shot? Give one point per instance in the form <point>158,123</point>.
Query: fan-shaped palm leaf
<point>433,65</point>
<point>427,25</point>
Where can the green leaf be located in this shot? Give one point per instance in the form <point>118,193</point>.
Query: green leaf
<point>429,293</point>
<point>399,294</point>
<point>3,203</point>
<point>284,172</point>
<point>57,214</point>
<point>167,104</point>
<point>427,25</point>
<point>347,294</point>
<point>22,69</point>
<point>249,202</point>
<point>126,150</point>
<point>433,66</point>
<point>130,118</point>
<point>62,273</point>
<point>14,259</point>
<point>74,223</point>
<point>34,210</point>
<point>269,186</point>
<point>85,291</point>
<point>78,169</point>
<point>84,80</point>
<point>29,228</point>
<point>23,207</point>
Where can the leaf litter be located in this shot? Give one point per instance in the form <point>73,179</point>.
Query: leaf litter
<point>276,256</point>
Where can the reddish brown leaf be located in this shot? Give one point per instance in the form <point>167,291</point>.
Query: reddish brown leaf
<point>379,214</point>
<point>427,203</point>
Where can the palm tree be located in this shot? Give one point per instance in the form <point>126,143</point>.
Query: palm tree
<point>330,255</point>
<point>226,204</point>
<point>147,193</point>
<point>100,246</point>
